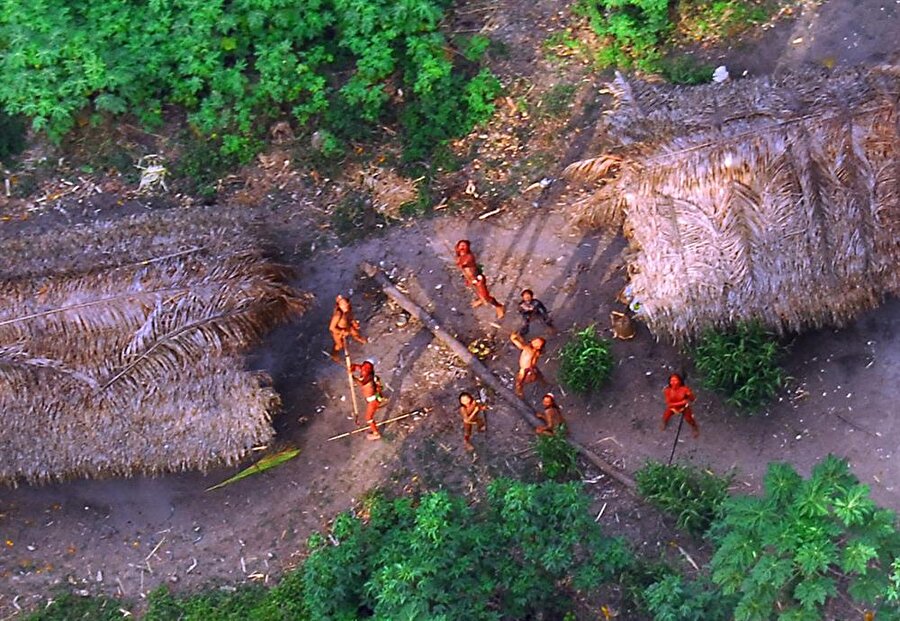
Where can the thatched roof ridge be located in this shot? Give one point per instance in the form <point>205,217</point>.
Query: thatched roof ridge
<point>135,366</point>
<point>772,199</point>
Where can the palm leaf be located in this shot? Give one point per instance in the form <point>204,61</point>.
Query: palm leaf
<point>266,463</point>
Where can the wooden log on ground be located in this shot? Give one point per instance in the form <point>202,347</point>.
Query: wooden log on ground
<point>484,374</point>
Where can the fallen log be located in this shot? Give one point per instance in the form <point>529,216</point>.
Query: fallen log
<point>484,374</point>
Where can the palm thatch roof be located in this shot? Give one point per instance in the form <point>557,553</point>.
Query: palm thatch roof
<point>121,342</point>
<point>773,199</point>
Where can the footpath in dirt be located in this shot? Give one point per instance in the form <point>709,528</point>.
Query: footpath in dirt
<point>125,537</point>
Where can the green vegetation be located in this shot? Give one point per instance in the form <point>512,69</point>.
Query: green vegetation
<point>522,552</point>
<point>559,459</point>
<point>355,217</point>
<point>717,19</point>
<point>802,542</point>
<point>347,66</point>
<point>637,33</point>
<point>634,30</point>
<point>526,551</point>
<point>686,70</point>
<point>673,598</point>
<point>70,607</point>
<point>585,361</point>
<point>693,496</point>
<point>556,101</point>
<point>441,559</point>
<point>741,363</point>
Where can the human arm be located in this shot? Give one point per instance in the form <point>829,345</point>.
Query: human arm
<point>335,320</point>
<point>517,340</point>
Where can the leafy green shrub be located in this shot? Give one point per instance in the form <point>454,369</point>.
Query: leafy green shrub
<point>674,599</point>
<point>237,66</point>
<point>686,70</point>
<point>442,559</point>
<point>741,363</point>
<point>635,29</point>
<point>803,542</point>
<point>585,361</point>
<point>693,496</point>
<point>558,458</point>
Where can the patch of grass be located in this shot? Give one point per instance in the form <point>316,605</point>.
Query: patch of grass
<point>585,362</point>
<point>559,459</point>
<point>717,19</point>
<point>692,496</point>
<point>686,70</point>
<point>556,101</point>
<point>562,45</point>
<point>355,218</point>
<point>74,608</point>
<point>741,363</point>
<point>202,164</point>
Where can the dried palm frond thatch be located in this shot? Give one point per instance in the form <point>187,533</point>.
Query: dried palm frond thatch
<point>775,199</point>
<point>120,347</point>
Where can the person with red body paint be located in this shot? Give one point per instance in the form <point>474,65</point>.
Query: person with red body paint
<point>678,401</point>
<point>371,389</point>
<point>466,262</point>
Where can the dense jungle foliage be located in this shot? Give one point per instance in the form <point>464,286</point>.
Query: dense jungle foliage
<point>342,67</point>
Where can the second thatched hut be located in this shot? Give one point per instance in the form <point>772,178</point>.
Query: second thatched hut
<point>773,199</point>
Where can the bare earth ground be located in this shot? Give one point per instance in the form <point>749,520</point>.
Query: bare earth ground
<point>125,537</point>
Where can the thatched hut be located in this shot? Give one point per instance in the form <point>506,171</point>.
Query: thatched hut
<point>773,199</point>
<point>121,342</point>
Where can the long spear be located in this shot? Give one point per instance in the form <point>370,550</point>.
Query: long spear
<point>384,422</point>
<point>350,379</point>
<point>677,433</point>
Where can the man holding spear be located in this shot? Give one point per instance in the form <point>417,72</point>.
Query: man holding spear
<point>678,401</point>
<point>343,325</point>
<point>371,390</point>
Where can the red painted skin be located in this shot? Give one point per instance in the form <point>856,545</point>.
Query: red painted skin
<point>678,401</point>
<point>466,262</point>
<point>374,399</point>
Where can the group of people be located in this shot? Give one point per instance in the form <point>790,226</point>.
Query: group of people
<point>343,326</point>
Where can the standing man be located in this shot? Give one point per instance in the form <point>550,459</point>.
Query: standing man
<point>532,308</point>
<point>466,262</point>
<point>551,416</point>
<point>528,360</point>
<point>471,412</point>
<point>343,325</point>
<point>678,401</point>
<point>371,390</point>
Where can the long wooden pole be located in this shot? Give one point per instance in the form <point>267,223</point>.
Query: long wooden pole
<point>677,435</point>
<point>384,422</point>
<point>483,373</point>
<point>350,379</point>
